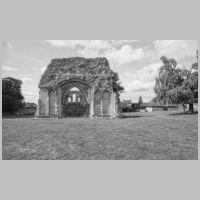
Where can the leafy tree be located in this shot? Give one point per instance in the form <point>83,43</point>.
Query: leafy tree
<point>12,98</point>
<point>176,85</point>
<point>116,84</point>
<point>154,100</point>
<point>117,87</point>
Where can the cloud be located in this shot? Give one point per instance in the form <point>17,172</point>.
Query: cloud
<point>57,43</point>
<point>140,83</point>
<point>10,45</point>
<point>7,44</point>
<point>26,79</point>
<point>35,68</point>
<point>177,49</point>
<point>42,69</point>
<point>125,54</point>
<point>118,51</point>
<point>142,80</point>
<point>90,44</point>
<point>7,68</point>
<point>122,42</point>
<point>30,92</point>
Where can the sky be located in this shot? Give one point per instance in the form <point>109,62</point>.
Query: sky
<point>136,61</point>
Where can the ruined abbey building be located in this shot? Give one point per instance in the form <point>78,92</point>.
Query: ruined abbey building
<point>77,87</point>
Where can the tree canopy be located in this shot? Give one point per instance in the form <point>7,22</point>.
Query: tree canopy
<point>12,98</point>
<point>176,85</point>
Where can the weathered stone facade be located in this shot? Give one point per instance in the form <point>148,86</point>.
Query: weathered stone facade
<point>93,95</point>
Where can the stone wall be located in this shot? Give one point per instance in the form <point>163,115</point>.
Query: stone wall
<point>106,101</point>
<point>43,102</point>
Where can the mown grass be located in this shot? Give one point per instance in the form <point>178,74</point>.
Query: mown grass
<point>157,135</point>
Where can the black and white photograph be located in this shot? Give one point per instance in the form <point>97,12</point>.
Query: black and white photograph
<point>100,99</point>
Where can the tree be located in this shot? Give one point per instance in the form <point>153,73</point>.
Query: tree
<point>12,99</point>
<point>176,85</point>
<point>154,100</point>
<point>140,100</point>
<point>116,84</point>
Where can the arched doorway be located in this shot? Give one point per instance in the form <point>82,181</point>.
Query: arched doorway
<point>74,103</point>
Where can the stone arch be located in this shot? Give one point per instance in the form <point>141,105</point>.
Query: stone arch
<point>77,108</point>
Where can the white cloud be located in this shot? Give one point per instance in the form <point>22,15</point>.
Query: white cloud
<point>35,68</point>
<point>7,44</point>
<point>30,92</point>
<point>43,69</point>
<point>7,68</point>
<point>10,45</point>
<point>176,48</point>
<point>125,54</point>
<point>57,43</point>
<point>90,44</point>
<point>118,51</point>
<point>140,82</point>
<point>122,42</point>
<point>26,79</point>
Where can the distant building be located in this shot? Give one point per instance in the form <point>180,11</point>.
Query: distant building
<point>126,106</point>
<point>136,107</point>
<point>151,107</point>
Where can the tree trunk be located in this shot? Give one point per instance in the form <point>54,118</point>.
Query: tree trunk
<point>191,108</point>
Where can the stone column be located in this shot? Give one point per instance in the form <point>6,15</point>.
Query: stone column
<point>101,104</point>
<point>112,104</point>
<point>48,102</point>
<point>59,101</point>
<point>56,102</point>
<point>91,102</point>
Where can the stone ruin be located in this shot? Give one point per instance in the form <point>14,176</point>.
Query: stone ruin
<point>77,87</point>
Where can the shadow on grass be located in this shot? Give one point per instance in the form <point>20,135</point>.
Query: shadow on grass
<point>16,117</point>
<point>182,113</point>
<point>132,116</point>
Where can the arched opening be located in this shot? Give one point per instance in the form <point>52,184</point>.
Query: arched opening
<point>75,100</point>
<point>74,89</point>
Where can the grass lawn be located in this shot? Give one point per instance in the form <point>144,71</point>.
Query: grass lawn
<point>157,135</point>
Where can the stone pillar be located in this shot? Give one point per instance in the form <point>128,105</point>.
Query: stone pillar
<point>102,104</point>
<point>56,103</point>
<point>91,102</point>
<point>48,103</point>
<point>113,105</point>
<point>43,102</point>
<point>59,101</point>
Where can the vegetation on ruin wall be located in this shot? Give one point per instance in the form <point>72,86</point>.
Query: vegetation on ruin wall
<point>96,71</point>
